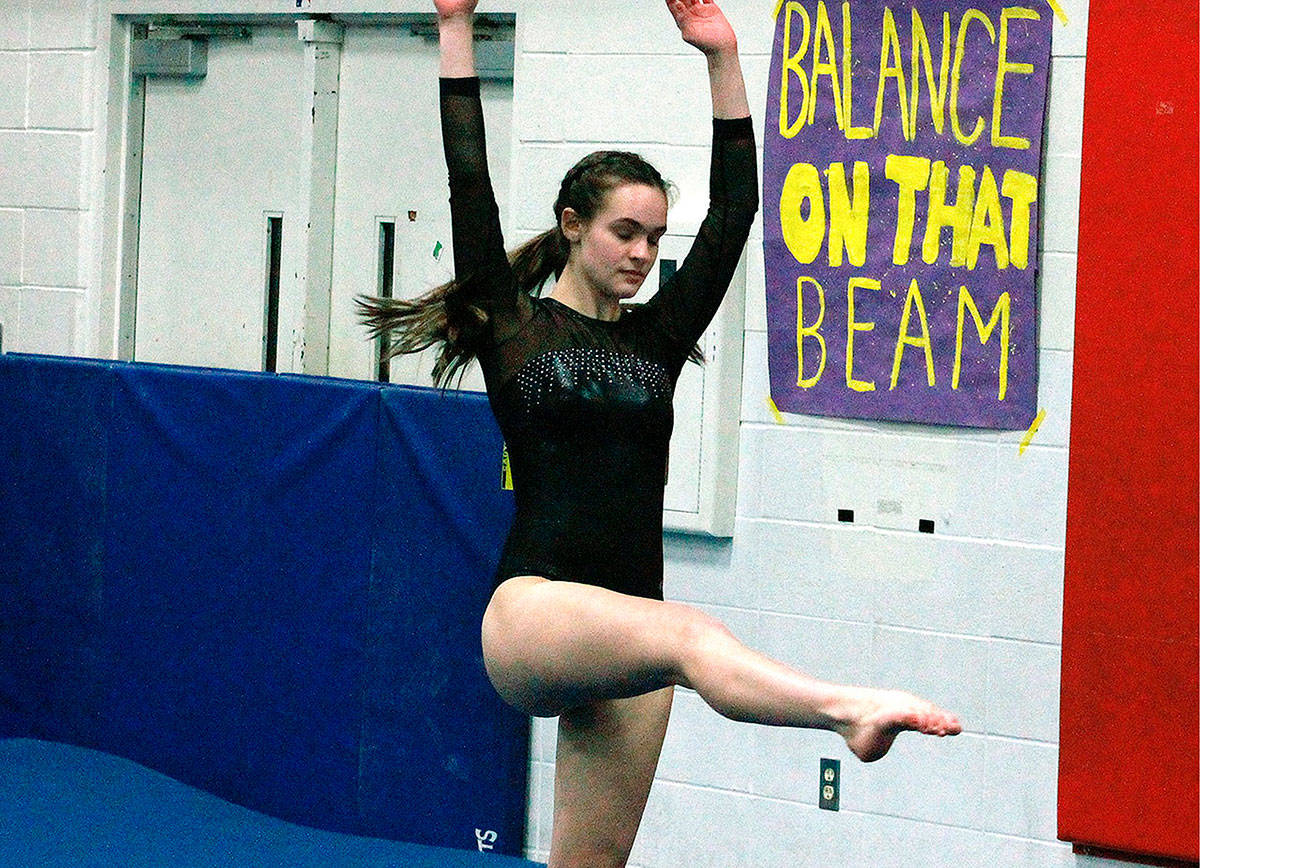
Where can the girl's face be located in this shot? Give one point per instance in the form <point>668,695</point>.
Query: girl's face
<point>614,251</point>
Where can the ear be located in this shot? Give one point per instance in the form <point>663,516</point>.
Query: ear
<point>572,225</point>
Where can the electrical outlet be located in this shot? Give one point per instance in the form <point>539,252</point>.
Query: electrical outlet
<point>829,784</point>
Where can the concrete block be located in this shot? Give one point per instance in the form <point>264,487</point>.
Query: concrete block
<point>60,91</point>
<point>699,569</point>
<point>1066,110</point>
<point>1057,301</point>
<point>688,169</point>
<point>1022,686</point>
<point>786,762</point>
<point>55,169</point>
<point>538,822</point>
<point>63,24</point>
<point>13,184</point>
<point>1054,398</point>
<point>908,780</point>
<point>828,649</point>
<point>13,89</point>
<point>894,842</point>
<point>888,481</point>
<point>689,825</point>
<point>48,323</point>
<point>947,670</point>
<point>11,311</point>
<point>930,583</point>
<point>692,751</point>
<point>801,834</point>
<point>784,834</point>
<point>1025,594</point>
<point>51,245</point>
<point>625,98</point>
<point>1100,862</point>
<point>1033,488</point>
<point>15,23</point>
<point>597,28</point>
<point>794,483</point>
<point>754,23</point>
<point>551,109</point>
<point>546,164</point>
<point>1069,39</point>
<point>1021,789</point>
<point>747,625</point>
<point>542,739</point>
<point>1060,203</point>
<point>1006,852</point>
<point>11,246</point>
<point>755,70</point>
<point>801,569</point>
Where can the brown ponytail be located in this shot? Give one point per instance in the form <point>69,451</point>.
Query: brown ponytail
<point>447,315</point>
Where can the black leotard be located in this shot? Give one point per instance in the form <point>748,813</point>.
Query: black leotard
<point>586,405</point>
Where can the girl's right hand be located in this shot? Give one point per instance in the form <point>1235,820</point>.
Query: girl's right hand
<point>454,8</point>
<point>703,25</point>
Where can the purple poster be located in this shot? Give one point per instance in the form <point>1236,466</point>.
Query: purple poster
<point>901,209</point>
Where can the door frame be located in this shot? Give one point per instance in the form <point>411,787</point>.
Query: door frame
<point>125,22</point>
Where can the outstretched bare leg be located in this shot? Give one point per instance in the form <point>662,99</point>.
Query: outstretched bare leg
<point>552,646</point>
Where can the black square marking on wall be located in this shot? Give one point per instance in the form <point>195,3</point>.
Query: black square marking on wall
<point>926,525</point>
<point>845,515</point>
<point>667,269</point>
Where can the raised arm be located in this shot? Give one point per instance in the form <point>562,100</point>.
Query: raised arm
<point>456,37</point>
<point>688,301</point>
<point>477,242</point>
<point>706,28</point>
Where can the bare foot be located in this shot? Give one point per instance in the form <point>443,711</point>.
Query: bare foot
<point>877,716</point>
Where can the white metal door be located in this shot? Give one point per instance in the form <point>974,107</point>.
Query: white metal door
<point>221,163</point>
<point>391,171</point>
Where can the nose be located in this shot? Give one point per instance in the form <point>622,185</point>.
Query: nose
<point>640,251</point>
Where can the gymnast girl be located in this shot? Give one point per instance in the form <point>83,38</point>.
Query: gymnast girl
<point>582,385</point>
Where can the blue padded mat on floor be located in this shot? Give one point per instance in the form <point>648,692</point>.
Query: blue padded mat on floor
<point>69,806</point>
<point>267,586</point>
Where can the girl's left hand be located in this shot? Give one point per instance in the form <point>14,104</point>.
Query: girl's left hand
<point>703,25</point>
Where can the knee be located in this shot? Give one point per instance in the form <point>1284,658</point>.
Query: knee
<point>700,636</point>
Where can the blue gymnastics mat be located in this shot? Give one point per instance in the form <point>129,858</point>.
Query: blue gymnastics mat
<point>266,586</point>
<point>69,806</point>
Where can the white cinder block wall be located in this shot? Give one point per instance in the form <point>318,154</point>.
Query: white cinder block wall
<point>47,90</point>
<point>969,616</point>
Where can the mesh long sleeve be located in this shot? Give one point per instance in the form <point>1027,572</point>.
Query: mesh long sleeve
<point>688,301</point>
<point>478,248</point>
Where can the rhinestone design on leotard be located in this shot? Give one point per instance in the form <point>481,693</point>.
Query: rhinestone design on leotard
<point>595,374</point>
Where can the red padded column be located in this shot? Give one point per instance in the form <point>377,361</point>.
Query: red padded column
<point>1128,774</point>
